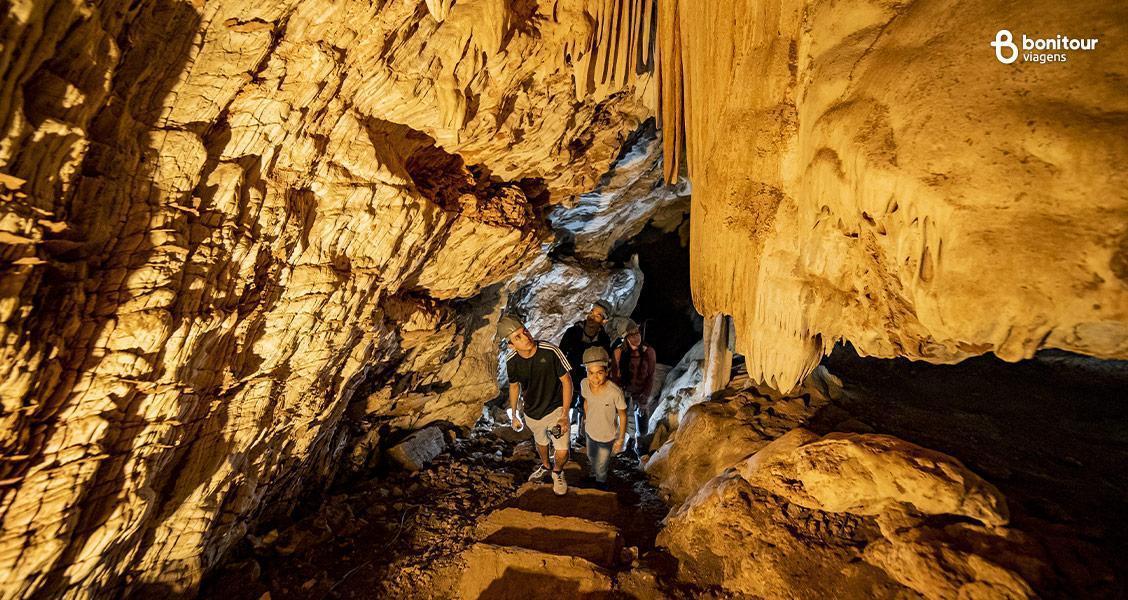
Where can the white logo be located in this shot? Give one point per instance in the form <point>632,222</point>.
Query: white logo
<point>1034,49</point>
<point>1004,39</point>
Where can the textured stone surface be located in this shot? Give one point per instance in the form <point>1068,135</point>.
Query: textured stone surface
<point>958,560</point>
<point>678,390</point>
<point>630,196</point>
<point>864,473</point>
<point>860,173</point>
<point>747,541</point>
<point>511,572</point>
<point>557,293</point>
<point>742,537</point>
<point>236,238</point>
<point>717,434</point>
<point>419,448</point>
<point>564,536</point>
<point>241,222</point>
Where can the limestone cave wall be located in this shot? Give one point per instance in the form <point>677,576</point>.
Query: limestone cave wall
<point>868,171</point>
<point>229,227</point>
<point>243,243</point>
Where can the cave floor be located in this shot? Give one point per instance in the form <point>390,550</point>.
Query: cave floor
<point>402,534</point>
<point>1050,433</point>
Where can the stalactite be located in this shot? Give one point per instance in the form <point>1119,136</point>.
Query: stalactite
<point>826,176</point>
<point>617,55</point>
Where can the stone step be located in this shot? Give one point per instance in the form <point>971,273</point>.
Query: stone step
<point>512,573</point>
<point>583,503</point>
<point>566,536</point>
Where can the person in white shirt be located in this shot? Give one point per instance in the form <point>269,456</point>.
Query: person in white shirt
<point>606,412</point>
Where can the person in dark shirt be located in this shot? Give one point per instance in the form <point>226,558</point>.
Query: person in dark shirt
<point>633,369</point>
<point>582,335</point>
<point>539,374</point>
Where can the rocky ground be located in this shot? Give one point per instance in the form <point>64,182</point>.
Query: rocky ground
<point>984,478</point>
<point>399,534</point>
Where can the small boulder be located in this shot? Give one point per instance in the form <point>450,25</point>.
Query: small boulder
<point>716,435</point>
<point>864,474</point>
<point>746,541</point>
<point>418,449</point>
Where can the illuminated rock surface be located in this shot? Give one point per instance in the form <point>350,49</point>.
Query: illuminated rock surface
<point>237,219</point>
<point>862,171</point>
<point>246,247</point>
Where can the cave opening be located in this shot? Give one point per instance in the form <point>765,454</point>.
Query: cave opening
<point>665,311</point>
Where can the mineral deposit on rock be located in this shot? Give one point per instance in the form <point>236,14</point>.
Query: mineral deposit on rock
<point>860,173</point>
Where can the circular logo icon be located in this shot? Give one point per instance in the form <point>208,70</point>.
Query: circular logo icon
<point>1004,40</point>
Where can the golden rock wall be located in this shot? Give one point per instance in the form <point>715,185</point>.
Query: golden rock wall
<point>226,223</point>
<point>870,172</point>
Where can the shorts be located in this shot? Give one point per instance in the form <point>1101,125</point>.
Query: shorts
<point>541,426</point>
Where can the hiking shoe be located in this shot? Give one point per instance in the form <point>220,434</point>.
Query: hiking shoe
<point>559,485</point>
<point>539,474</point>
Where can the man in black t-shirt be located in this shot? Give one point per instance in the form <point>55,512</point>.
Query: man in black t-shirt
<point>540,374</point>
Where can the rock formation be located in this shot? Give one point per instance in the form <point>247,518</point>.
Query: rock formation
<point>557,293</point>
<point>231,224</point>
<point>630,196</point>
<point>915,522</point>
<point>712,436</point>
<point>869,172</point>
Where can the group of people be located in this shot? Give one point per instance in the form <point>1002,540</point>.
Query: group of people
<point>605,385</point>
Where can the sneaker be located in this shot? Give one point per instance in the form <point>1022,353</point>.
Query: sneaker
<point>559,485</point>
<point>539,474</point>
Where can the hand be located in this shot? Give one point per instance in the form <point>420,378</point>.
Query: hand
<point>517,424</point>
<point>617,447</point>
<point>565,426</point>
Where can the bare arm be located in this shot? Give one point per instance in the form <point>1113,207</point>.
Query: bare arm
<point>621,438</point>
<point>566,381</point>
<point>514,396</point>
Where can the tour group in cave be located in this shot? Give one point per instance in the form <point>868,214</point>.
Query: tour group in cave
<point>457,299</point>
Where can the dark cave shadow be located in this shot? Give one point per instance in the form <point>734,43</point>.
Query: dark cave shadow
<point>1049,432</point>
<point>665,311</point>
<point>519,584</point>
